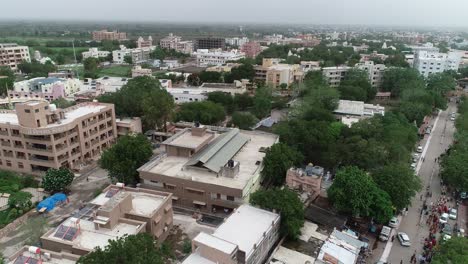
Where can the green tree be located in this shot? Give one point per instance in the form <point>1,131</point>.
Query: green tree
<point>283,86</point>
<point>194,79</point>
<point>124,158</point>
<point>397,60</point>
<point>453,251</point>
<point>35,69</point>
<point>441,83</point>
<point>243,101</point>
<point>243,120</point>
<point>356,86</point>
<point>128,249</point>
<point>57,180</point>
<point>262,102</point>
<point>279,158</point>
<point>205,112</point>
<point>395,78</point>
<point>20,200</point>
<point>63,103</point>
<point>244,71</point>
<point>7,79</point>
<point>128,59</point>
<point>210,77</point>
<point>287,203</point>
<point>224,99</point>
<point>90,66</point>
<point>158,108</point>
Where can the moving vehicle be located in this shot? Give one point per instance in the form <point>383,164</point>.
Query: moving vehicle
<point>385,233</point>
<point>393,222</point>
<point>444,218</point>
<point>404,239</point>
<point>453,214</point>
<point>419,149</point>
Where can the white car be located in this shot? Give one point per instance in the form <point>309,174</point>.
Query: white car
<point>444,218</point>
<point>453,214</point>
<point>446,237</point>
<point>413,165</point>
<point>393,222</point>
<point>404,239</point>
<point>452,118</point>
<point>420,149</point>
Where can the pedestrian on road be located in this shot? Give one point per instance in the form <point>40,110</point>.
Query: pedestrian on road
<point>393,238</point>
<point>413,257</point>
<point>401,261</point>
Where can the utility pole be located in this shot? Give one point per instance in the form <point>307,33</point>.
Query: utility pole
<point>74,55</point>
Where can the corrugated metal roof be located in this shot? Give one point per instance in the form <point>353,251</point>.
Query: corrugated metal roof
<point>217,154</point>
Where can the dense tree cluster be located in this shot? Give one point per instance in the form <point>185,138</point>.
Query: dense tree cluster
<point>205,112</point>
<point>454,250</point>
<point>278,159</point>
<point>57,180</point>
<point>36,69</point>
<point>356,86</point>
<point>7,79</point>
<point>243,120</point>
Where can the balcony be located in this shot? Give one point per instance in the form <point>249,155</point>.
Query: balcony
<point>4,132</point>
<point>47,149</point>
<point>49,161</point>
<point>6,144</point>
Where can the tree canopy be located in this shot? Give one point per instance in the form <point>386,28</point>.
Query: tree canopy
<point>36,69</point>
<point>243,120</point>
<point>91,66</point>
<point>278,159</point>
<point>57,180</point>
<point>262,102</point>
<point>205,112</point>
<point>287,203</point>
<point>123,158</point>
<point>454,251</point>
<point>356,86</point>
<point>7,79</point>
<point>127,249</point>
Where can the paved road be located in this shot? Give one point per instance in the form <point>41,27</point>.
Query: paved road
<point>441,138</point>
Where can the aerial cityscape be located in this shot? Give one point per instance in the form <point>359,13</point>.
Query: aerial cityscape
<point>251,132</point>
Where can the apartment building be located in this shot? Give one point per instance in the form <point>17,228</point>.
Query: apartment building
<point>12,55</point>
<point>237,41</point>
<point>37,136</point>
<point>35,255</point>
<point>108,35</point>
<point>334,75</point>
<point>246,237</point>
<point>95,53</point>
<point>117,211</point>
<point>375,72</point>
<point>142,43</point>
<point>251,49</point>
<point>308,179</point>
<point>206,57</point>
<point>49,88</point>
<point>209,43</point>
<point>435,62</point>
<point>194,94</point>
<point>139,71</point>
<point>128,126</point>
<point>274,73</point>
<point>175,42</point>
<point>139,55</point>
<point>207,170</point>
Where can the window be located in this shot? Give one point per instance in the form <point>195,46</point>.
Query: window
<point>20,165</point>
<point>230,198</point>
<point>169,186</point>
<point>27,111</point>
<point>8,163</point>
<point>36,111</point>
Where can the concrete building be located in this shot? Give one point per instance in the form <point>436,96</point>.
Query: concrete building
<point>117,211</point>
<point>310,66</point>
<point>434,62</point>
<point>175,42</point>
<point>12,55</point>
<point>409,58</point>
<point>209,43</point>
<point>350,112</point>
<point>95,53</point>
<point>238,42</point>
<point>109,35</point>
<point>207,170</point>
<point>306,180</point>
<point>334,75</point>
<point>37,136</point>
<point>274,73</point>
<point>139,55</point>
<point>194,94</point>
<point>223,68</point>
<point>342,247</point>
<point>139,71</point>
<point>246,237</point>
<point>217,57</point>
<point>128,126</point>
<point>31,254</point>
<point>49,88</point>
<point>109,84</point>
<point>142,43</point>
<point>429,47</point>
<point>375,72</point>
<point>251,49</point>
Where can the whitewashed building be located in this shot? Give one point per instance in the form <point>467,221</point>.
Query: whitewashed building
<point>435,62</point>
<point>217,57</point>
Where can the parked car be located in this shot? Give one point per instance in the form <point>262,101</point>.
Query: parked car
<point>420,149</point>
<point>447,229</point>
<point>385,233</point>
<point>404,239</point>
<point>413,165</point>
<point>444,218</point>
<point>446,237</point>
<point>452,118</point>
<point>393,222</point>
<point>453,214</point>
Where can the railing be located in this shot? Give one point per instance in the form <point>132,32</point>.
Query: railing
<point>6,144</point>
<point>48,149</point>
<point>49,161</point>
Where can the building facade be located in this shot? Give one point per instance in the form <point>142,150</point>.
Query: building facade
<point>375,72</point>
<point>334,75</point>
<point>207,170</point>
<point>142,43</point>
<point>307,180</point>
<point>217,57</point>
<point>209,43</point>
<point>195,94</point>
<point>139,55</point>
<point>237,41</point>
<point>434,62</point>
<point>108,35</point>
<point>49,88</point>
<point>251,49</point>
<point>95,53</point>
<point>275,74</point>
<point>139,71</point>
<point>245,237</point>
<point>175,42</point>
<point>11,55</point>
<point>37,136</point>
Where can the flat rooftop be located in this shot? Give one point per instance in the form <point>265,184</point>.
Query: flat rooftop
<point>185,139</point>
<point>249,157</point>
<point>348,107</point>
<point>287,256</point>
<point>30,258</point>
<point>195,258</point>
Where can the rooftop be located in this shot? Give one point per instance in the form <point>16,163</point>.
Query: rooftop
<point>348,107</point>
<point>287,256</point>
<point>25,256</point>
<point>185,139</point>
<point>195,258</point>
<point>215,242</point>
<point>336,255</point>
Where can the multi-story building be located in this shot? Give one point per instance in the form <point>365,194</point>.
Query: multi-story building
<point>217,57</point>
<point>334,75</point>
<point>139,71</point>
<point>237,41</point>
<point>307,66</point>
<point>95,53</point>
<point>109,35</point>
<point>251,49</point>
<point>209,43</point>
<point>142,43</point>
<point>274,73</point>
<point>375,72</point>
<point>208,170</point>
<point>117,211</point>
<point>49,88</point>
<point>350,112</point>
<point>195,94</point>
<point>12,55</point>
<point>434,62</point>
<point>307,180</point>
<point>37,136</point>
<point>139,55</point>
<point>176,43</point>
<point>246,237</point>
<point>128,126</point>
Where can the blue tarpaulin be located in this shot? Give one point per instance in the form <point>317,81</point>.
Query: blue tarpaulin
<point>50,202</point>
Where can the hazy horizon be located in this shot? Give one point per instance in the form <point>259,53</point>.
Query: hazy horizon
<point>416,13</point>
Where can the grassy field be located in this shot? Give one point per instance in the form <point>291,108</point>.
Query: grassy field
<point>116,71</point>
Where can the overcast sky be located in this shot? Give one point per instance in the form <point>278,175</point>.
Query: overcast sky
<point>372,12</point>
